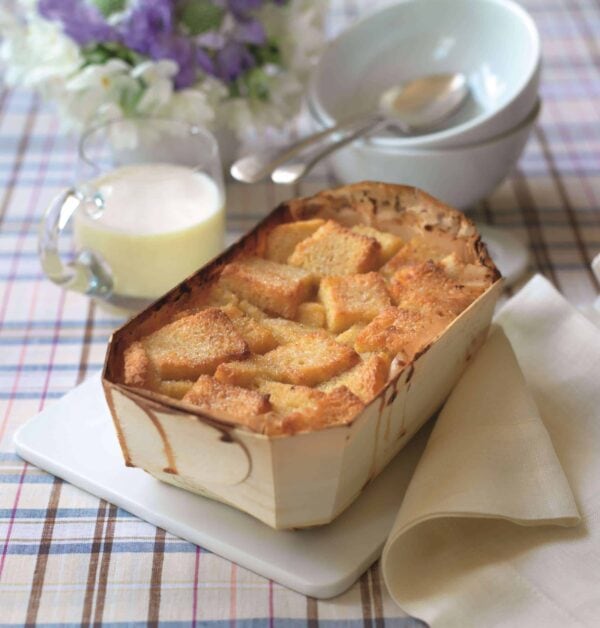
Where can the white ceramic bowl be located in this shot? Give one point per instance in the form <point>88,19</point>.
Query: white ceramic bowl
<point>494,42</point>
<point>459,176</point>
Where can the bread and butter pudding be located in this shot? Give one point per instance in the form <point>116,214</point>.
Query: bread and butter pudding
<point>284,375</point>
<point>302,332</point>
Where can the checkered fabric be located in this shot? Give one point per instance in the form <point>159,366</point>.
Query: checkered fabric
<point>67,557</point>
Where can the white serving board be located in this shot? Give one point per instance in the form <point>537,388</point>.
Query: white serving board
<point>74,439</point>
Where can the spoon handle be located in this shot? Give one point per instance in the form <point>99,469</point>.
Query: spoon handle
<point>291,171</point>
<point>257,166</point>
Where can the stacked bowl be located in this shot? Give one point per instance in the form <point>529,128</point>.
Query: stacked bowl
<point>494,43</point>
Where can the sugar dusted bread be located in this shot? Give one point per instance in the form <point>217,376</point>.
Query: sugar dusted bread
<point>309,361</point>
<point>304,408</point>
<point>388,242</point>
<point>351,299</point>
<point>223,399</point>
<point>336,250</point>
<point>282,239</point>
<point>186,348</point>
<point>275,288</point>
<point>365,379</point>
<point>297,328</point>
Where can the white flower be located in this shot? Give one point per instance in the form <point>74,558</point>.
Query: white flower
<point>156,78</point>
<point>92,89</point>
<point>190,105</point>
<point>35,53</point>
<point>98,76</point>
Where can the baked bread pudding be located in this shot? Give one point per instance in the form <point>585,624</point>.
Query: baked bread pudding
<point>301,328</point>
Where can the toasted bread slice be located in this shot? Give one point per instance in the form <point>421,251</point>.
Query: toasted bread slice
<point>190,346</point>
<point>258,337</point>
<point>365,379</point>
<point>251,310</point>
<point>399,331</point>
<point>337,407</point>
<point>351,299</point>
<point>415,251</point>
<point>389,242</point>
<point>427,286</point>
<point>285,398</point>
<point>348,337</point>
<point>245,373</point>
<point>286,331</point>
<point>335,250</point>
<point>311,314</point>
<point>223,399</point>
<point>308,362</point>
<point>301,404</point>
<point>141,373</point>
<point>137,368</point>
<point>470,275</point>
<point>273,287</point>
<point>282,239</point>
<point>219,295</point>
<point>175,388</point>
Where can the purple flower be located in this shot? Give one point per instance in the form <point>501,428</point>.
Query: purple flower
<point>205,62</point>
<point>147,22</point>
<point>232,60</point>
<point>242,9</point>
<point>180,50</point>
<point>150,30</point>
<point>81,21</point>
<point>250,32</point>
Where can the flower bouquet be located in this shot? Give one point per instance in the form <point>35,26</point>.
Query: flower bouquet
<point>239,64</point>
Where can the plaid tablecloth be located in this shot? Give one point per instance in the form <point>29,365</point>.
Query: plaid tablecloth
<point>67,557</point>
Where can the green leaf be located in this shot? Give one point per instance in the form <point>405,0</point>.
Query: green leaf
<point>130,99</point>
<point>257,84</point>
<point>108,7</point>
<point>199,16</point>
<point>234,90</point>
<point>101,53</point>
<point>95,55</point>
<point>269,53</point>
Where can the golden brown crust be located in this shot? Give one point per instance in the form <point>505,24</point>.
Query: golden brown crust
<point>311,314</point>
<point>352,299</point>
<point>307,362</point>
<point>175,388</point>
<point>337,407</point>
<point>192,345</point>
<point>138,370</point>
<point>282,239</point>
<point>335,250</point>
<point>365,379</point>
<point>401,332</point>
<point>275,288</point>
<point>348,337</point>
<point>363,243</point>
<point>258,337</point>
<point>286,331</point>
<point>244,373</point>
<point>222,399</point>
<point>388,242</point>
<point>426,286</point>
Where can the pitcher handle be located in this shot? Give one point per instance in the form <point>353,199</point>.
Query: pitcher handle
<point>86,273</point>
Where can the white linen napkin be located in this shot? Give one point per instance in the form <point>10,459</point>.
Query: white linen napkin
<point>481,537</point>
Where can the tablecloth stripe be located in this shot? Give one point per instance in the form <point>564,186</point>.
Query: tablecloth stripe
<point>586,257</point>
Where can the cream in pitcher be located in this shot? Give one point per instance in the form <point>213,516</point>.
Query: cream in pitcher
<point>152,224</point>
<point>147,207</point>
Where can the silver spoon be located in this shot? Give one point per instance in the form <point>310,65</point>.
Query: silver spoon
<point>413,107</point>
